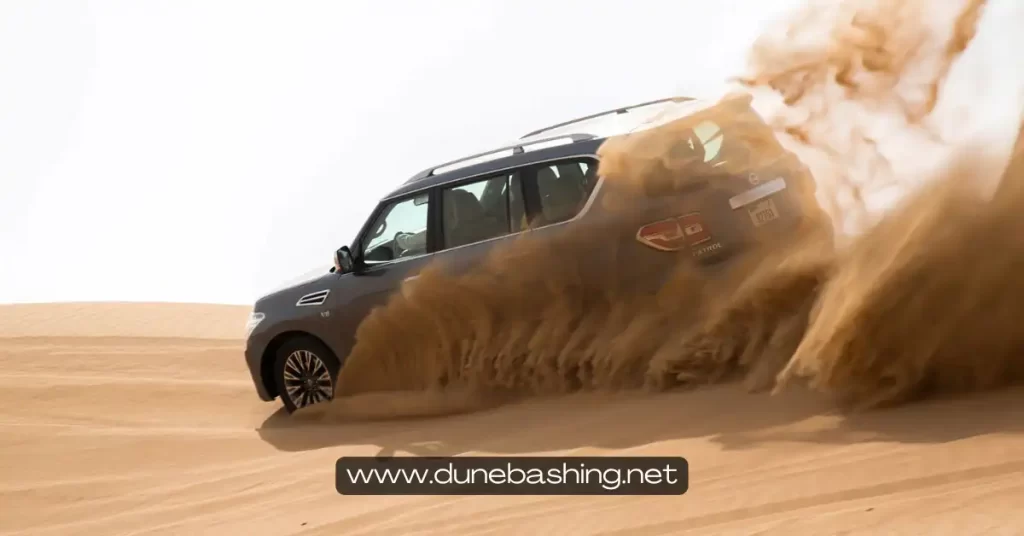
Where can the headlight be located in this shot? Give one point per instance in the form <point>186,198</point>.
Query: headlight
<point>254,320</point>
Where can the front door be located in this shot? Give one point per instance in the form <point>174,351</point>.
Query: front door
<point>394,247</point>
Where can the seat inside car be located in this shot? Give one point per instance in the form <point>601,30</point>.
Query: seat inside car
<point>465,220</point>
<point>560,196</point>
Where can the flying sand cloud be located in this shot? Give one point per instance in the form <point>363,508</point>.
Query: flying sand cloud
<point>918,301</point>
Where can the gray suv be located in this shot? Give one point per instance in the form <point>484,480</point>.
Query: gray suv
<point>298,337</point>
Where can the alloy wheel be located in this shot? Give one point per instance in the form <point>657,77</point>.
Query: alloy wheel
<point>307,379</point>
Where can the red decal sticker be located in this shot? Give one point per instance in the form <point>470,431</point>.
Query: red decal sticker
<point>665,235</point>
<point>675,233</point>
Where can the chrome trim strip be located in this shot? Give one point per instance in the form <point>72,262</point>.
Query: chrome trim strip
<point>395,261</point>
<point>773,186</point>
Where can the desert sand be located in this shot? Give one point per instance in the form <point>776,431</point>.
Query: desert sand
<point>141,418</point>
<point>163,434</point>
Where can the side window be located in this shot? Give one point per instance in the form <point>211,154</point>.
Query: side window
<point>482,210</point>
<point>711,136</point>
<point>563,189</point>
<point>399,231</point>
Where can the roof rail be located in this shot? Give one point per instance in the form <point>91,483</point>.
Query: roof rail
<point>622,110</point>
<point>516,148</point>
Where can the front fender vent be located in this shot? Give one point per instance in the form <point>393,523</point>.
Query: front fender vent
<point>314,298</point>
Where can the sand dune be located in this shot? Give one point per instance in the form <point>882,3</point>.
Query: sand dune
<point>141,419</point>
<point>130,435</point>
<point>113,319</point>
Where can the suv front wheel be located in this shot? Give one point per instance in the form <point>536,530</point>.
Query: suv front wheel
<point>305,371</point>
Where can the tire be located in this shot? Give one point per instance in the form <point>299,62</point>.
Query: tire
<point>312,373</point>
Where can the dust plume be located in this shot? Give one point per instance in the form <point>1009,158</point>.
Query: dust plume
<point>870,303</point>
<point>851,87</point>
<point>929,300</point>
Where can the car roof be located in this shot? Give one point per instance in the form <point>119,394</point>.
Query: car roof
<point>577,137</point>
<point>505,157</point>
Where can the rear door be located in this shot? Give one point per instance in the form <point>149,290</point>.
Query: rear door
<point>476,215</point>
<point>485,212</point>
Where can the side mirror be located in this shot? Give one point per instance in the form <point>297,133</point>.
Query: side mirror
<point>343,263</point>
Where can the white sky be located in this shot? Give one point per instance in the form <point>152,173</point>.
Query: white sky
<point>212,150</point>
